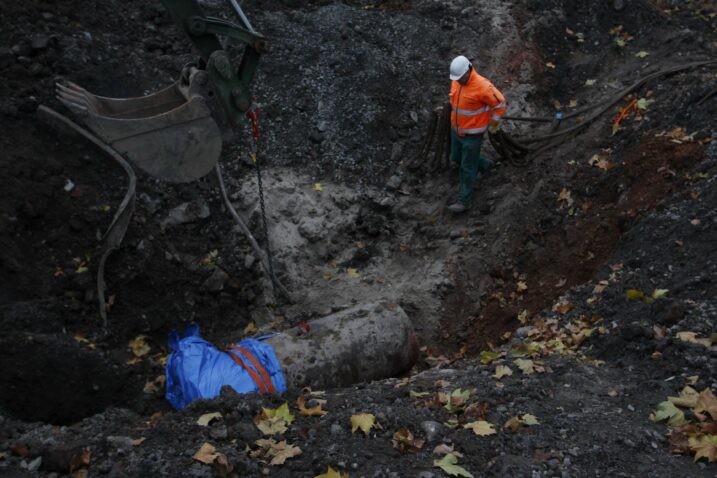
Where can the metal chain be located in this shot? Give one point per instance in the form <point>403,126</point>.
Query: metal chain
<point>254,150</point>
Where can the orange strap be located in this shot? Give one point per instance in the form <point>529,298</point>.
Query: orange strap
<point>264,383</point>
<point>624,112</point>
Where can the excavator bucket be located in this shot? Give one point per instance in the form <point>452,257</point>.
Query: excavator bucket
<point>171,135</point>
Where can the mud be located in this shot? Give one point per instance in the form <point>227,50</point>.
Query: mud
<point>346,96</point>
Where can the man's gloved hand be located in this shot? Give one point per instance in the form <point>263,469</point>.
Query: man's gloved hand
<point>493,127</point>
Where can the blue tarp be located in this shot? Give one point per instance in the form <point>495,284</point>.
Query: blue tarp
<point>197,369</point>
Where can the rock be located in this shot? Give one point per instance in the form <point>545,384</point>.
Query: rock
<point>33,465</point>
<point>432,430</point>
<point>121,443</point>
<point>35,69</point>
<point>186,213</point>
<point>394,182</point>
<point>151,204</point>
<point>336,429</point>
<point>22,49</point>
<point>312,228</point>
<point>216,281</point>
<point>426,474</point>
<point>39,42</point>
<point>218,432</point>
<point>249,261</point>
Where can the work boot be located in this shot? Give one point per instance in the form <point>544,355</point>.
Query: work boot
<point>458,207</point>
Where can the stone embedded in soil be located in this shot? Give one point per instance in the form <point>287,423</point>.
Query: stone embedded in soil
<point>187,212</point>
<point>216,281</point>
<point>312,228</point>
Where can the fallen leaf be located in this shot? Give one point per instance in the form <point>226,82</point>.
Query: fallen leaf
<point>612,392</point>
<point>364,421</point>
<point>529,419</point>
<point>481,428</point>
<point>404,441</point>
<point>155,386</point>
<point>487,356</point>
<point>589,82</point>
<point>633,294</point>
<point>314,411</point>
<point>514,424</point>
<point>523,316</point>
<point>331,473</point>
<point>691,337</point>
<point>276,452</point>
<point>668,411</point>
<point>572,103</point>
<point>521,286</point>
<point>562,307</point>
<point>707,402</point>
<point>138,441</point>
<point>318,187</point>
<point>641,54</point>
<point>502,371</point>
<point>566,197</point>
<point>688,398</point>
<point>139,346</point>
<point>695,222</point>
<point>414,394</point>
<point>527,366</point>
<point>80,460</point>
<point>643,103</point>
<point>206,454</point>
<point>448,465</point>
<point>271,421</point>
<point>352,273</point>
<point>207,418</point>
<point>250,328</point>
<point>456,401</point>
<point>550,65</point>
<point>704,447</point>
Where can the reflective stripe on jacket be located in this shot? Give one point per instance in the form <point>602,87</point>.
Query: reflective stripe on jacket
<point>475,105</point>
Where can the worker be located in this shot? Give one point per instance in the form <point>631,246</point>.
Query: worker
<point>477,106</point>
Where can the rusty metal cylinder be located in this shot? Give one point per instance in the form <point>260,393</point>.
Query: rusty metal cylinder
<point>364,343</point>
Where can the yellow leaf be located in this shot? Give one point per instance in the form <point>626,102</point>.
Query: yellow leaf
<point>573,103</point>
<point>501,371</point>
<point>414,394</point>
<point>529,419</point>
<point>589,82</point>
<point>331,473</point>
<point>521,286</point>
<point>632,294</point>
<point>448,464</point>
<point>364,421</point>
<point>550,65</point>
<point>481,428</point>
<point>641,54</point>
<point>276,452</point>
<point>404,441</point>
<point>487,356</point>
<point>272,421</point>
<point>250,328</point>
<point>692,338</point>
<point>206,454</point>
<point>318,187</point>
<point>566,197</point>
<point>704,447</point>
<point>659,293</point>
<point>81,270</point>
<point>327,276</point>
<point>523,316</point>
<point>688,398</point>
<point>314,411</point>
<point>207,418</point>
<point>139,346</point>
<point>707,402</point>
<point>527,366</point>
<point>352,273</point>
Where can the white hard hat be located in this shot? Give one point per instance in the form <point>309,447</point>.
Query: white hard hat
<point>459,66</point>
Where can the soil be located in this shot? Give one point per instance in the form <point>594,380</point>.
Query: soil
<point>346,94</point>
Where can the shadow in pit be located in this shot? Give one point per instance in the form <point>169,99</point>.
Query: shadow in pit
<point>54,379</point>
<point>554,258</point>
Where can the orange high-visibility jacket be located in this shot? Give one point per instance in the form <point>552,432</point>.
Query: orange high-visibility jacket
<point>475,105</point>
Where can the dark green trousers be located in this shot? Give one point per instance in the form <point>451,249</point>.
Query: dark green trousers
<point>465,151</point>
